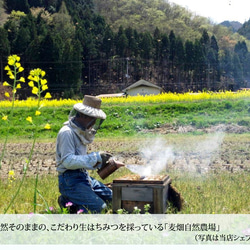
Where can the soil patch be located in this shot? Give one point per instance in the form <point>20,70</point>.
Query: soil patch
<point>233,153</point>
<point>227,128</point>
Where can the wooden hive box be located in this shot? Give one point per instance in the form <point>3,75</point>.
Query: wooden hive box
<point>130,192</point>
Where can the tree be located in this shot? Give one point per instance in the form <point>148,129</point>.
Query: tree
<point>21,5</point>
<point>180,52</point>
<point>226,66</point>
<point>205,43</point>
<point>172,49</point>
<point>199,63</point>
<point>121,42</point>
<point>132,37</point>
<point>189,56</point>
<point>62,23</point>
<point>4,43</point>
<point>25,35</point>
<point>242,52</point>
<point>108,42</point>
<point>50,53</point>
<point>237,72</point>
<point>71,68</point>
<point>146,45</point>
<point>157,44</point>
<point>4,50</point>
<point>22,41</point>
<point>213,58</point>
<point>36,3</point>
<point>241,49</point>
<point>164,48</point>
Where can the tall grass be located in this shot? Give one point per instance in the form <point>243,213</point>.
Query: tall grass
<point>223,193</point>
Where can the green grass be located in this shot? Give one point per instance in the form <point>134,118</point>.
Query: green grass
<point>223,193</point>
<point>129,120</point>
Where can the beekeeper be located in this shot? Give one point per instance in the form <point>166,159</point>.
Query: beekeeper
<point>79,191</point>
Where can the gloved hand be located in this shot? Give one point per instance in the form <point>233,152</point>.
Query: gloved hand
<point>105,157</point>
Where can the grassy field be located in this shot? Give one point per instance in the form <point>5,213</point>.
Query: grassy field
<point>129,119</point>
<point>221,189</point>
<point>220,193</point>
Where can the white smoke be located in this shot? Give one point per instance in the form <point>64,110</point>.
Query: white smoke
<point>156,156</point>
<point>199,156</point>
<point>203,153</point>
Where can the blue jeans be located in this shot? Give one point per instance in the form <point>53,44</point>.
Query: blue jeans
<point>84,191</point>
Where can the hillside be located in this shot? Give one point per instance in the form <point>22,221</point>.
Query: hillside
<point>91,47</point>
<point>235,26</point>
<point>146,15</point>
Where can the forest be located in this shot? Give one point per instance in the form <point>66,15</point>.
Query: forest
<point>96,47</point>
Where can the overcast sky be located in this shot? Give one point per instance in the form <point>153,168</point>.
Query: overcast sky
<point>218,10</point>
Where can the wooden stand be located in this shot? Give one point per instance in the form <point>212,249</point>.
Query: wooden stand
<point>128,194</point>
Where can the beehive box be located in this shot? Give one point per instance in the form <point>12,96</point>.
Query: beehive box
<point>134,191</point>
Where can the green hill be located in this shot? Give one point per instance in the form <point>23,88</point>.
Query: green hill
<point>146,15</point>
<point>235,26</point>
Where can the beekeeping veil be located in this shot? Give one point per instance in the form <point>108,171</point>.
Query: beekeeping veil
<point>91,106</point>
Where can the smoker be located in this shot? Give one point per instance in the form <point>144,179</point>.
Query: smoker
<point>110,167</point>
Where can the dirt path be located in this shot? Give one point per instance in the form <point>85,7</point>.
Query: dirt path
<point>195,153</point>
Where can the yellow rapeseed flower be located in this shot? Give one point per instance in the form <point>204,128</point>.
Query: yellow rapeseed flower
<point>29,119</point>
<point>47,126</point>
<point>36,78</point>
<point>7,68</point>
<point>17,58</point>
<point>35,90</point>
<point>7,94</point>
<point>18,86</point>
<point>5,118</point>
<point>47,96</point>
<point>44,87</point>
<point>11,176</point>
<point>21,69</point>
<point>30,77</point>
<point>11,76</point>
<point>161,98</point>
<point>5,84</point>
<point>11,61</point>
<point>38,113</point>
<point>22,79</point>
<point>11,173</point>
<point>31,84</point>
<point>43,81</point>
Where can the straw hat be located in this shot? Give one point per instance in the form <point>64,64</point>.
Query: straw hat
<point>90,106</point>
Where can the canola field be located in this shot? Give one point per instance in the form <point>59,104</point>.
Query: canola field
<point>161,98</point>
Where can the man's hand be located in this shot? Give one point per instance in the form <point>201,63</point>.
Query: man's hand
<point>105,157</point>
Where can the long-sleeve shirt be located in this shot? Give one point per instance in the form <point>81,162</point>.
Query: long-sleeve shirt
<point>71,153</point>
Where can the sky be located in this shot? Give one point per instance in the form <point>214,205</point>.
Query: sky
<point>218,10</point>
